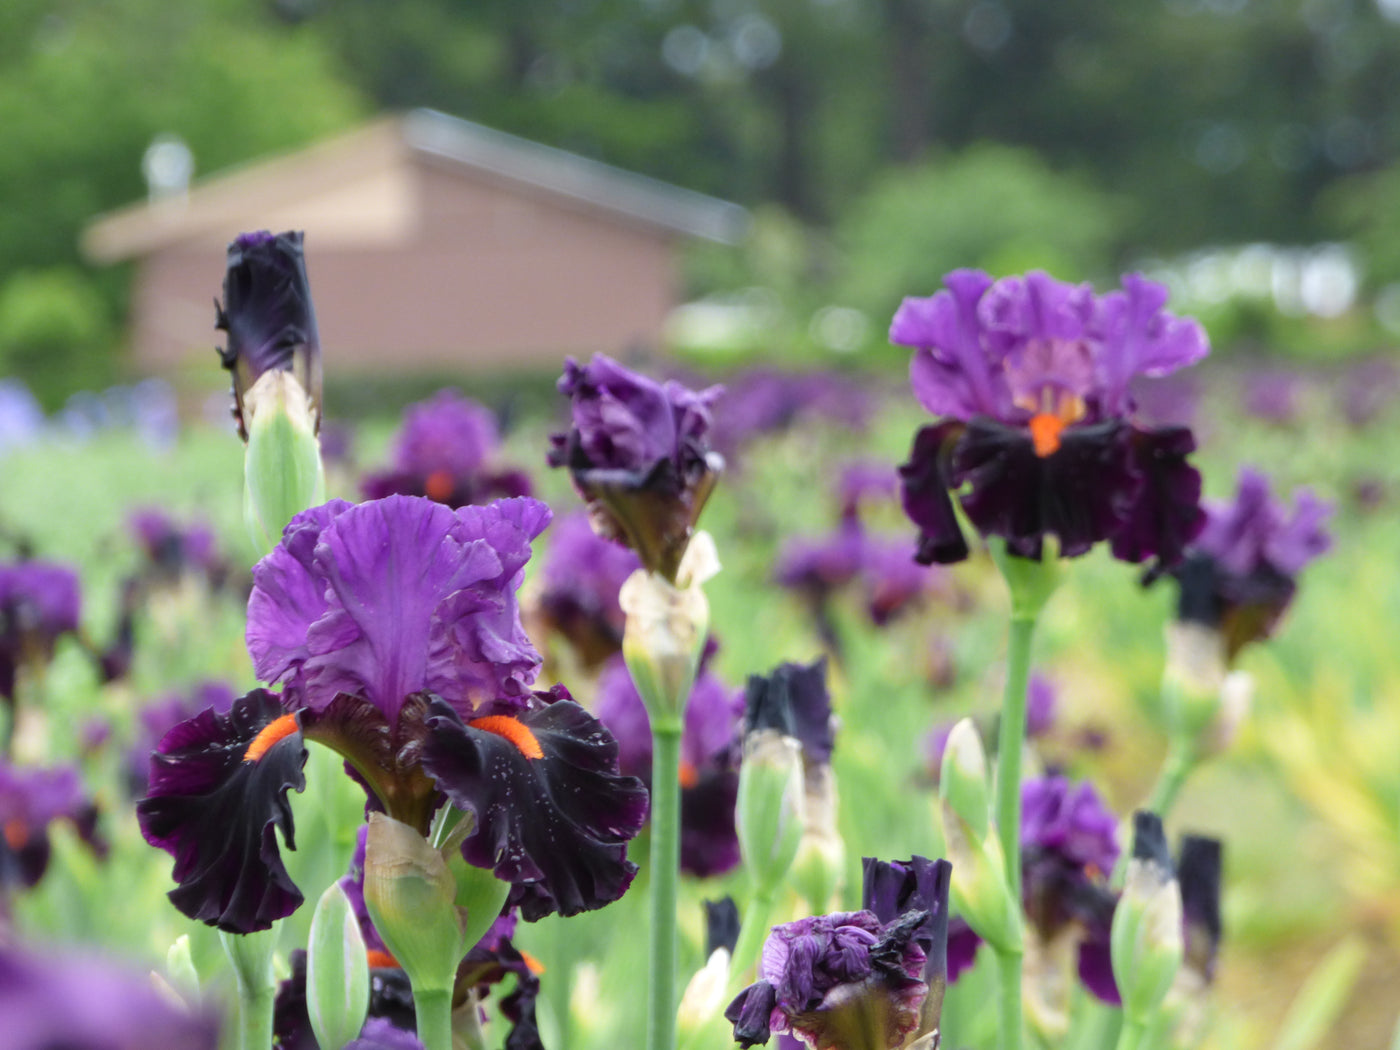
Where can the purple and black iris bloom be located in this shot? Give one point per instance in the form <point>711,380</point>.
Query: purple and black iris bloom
<point>709,769</point>
<point>844,981</point>
<point>1029,377</point>
<point>638,452</point>
<point>82,1003</point>
<point>394,630</point>
<point>269,318</point>
<point>39,603</point>
<point>1241,574</point>
<point>892,889</point>
<point>583,575</point>
<point>1069,847</point>
<point>30,800</point>
<point>445,451</point>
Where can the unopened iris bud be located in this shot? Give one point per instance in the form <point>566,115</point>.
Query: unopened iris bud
<point>411,897</point>
<point>1193,677</point>
<point>1147,939</point>
<point>818,870</point>
<point>337,970</point>
<point>771,807</point>
<point>667,624</point>
<point>962,781</point>
<point>180,970</point>
<point>274,356</point>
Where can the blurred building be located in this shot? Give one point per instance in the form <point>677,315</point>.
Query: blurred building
<point>433,245</point>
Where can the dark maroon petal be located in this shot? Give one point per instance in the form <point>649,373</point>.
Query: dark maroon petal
<point>1167,514</point>
<point>556,825</point>
<point>924,482</point>
<point>750,1014</point>
<point>268,316</point>
<point>214,806</point>
<point>709,840</point>
<point>963,943</point>
<point>1096,970</point>
<point>1081,492</point>
<point>1198,872</point>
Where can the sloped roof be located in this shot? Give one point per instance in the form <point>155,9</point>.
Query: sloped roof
<point>357,181</point>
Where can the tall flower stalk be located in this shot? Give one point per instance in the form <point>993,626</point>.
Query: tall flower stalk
<point>1036,446</point>
<point>638,454</point>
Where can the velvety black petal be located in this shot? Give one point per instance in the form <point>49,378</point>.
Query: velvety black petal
<point>1198,872</point>
<point>1243,609</point>
<point>750,1014</point>
<point>721,925</point>
<point>1082,492</point>
<point>709,840</point>
<point>519,1008</point>
<point>1167,513</point>
<point>556,822</point>
<point>214,805</point>
<point>924,482</point>
<point>793,700</point>
<point>268,316</point>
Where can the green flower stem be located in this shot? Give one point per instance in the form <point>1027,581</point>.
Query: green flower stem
<point>1132,1035</point>
<point>1008,806</point>
<point>433,1008</point>
<point>251,955</point>
<point>1181,760</point>
<point>752,933</point>
<point>665,865</point>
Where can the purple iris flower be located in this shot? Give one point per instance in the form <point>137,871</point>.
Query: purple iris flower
<point>1069,847</point>
<point>639,455</point>
<point>583,574</point>
<point>39,603</point>
<point>269,318</point>
<point>394,629</point>
<point>892,889</point>
<point>445,450</point>
<point>1240,576</point>
<point>30,800</point>
<point>1273,396</point>
<point>844,981</point>
<point>709,760</point>
<point>84,1003</point>
<point>1030,377</point>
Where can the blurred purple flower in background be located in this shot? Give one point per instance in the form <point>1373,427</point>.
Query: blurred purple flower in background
<point>1240,576</point>
<point>30,800</point>
<point>445,450</point>
<point>583,574</point>
<point>763,401</point>
<point>172,549</point>
<point>1273,395</point>
<point>39,603</point>
<point>709,760</point>
<point>1030,377</point>
<point>21,417</point>
<point>1367,390</point>
<point>85,1003</point>
<point>638,453</point>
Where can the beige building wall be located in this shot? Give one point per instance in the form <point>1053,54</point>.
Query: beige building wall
<point>472,275</point>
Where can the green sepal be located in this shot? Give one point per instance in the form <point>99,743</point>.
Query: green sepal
<point>337,970</point>
<point>769,812</point>
<point>282,471</point>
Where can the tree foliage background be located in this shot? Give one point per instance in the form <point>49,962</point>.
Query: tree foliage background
<point>1126,130</point>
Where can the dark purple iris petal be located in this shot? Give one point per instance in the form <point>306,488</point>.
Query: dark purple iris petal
<point>895,888</point>
<point>924,482</point>
<point>962,947</point>
<point>85,1003</point>
<point>639,454</point>
<point>39,602</point>
<point>793,700</point>
<point>160,716</point>
<point>1095,965</point>
<point>1198,872</point>
<point>1167,514</point>
<point>751,1014</point>
<point>1081,493</point>
<point>381,1034</point>
<point>217,814</point>
<point>556,825</point>
<point>709,839</point>
<point>952,373</point>
<point>268,316</point>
